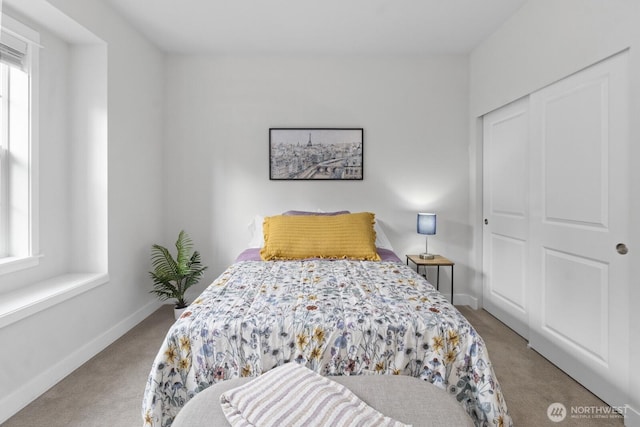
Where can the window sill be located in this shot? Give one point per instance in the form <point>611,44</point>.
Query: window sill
<point>13,264</point>
<point>21,303</point>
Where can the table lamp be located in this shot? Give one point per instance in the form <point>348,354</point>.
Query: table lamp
<point>426,225</point>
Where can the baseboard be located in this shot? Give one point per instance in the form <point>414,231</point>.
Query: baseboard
<point>464,299</point>
<point>631,417</point>
<point>27,393</point>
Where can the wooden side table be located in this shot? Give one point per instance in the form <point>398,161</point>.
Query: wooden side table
<point>437,261</point>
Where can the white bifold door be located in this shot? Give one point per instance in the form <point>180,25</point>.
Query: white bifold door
<point>556,270</point>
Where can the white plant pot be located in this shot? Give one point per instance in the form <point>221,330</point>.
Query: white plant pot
<point>177,312</point>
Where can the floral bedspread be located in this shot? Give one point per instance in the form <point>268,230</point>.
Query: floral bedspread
<point>335,317</point>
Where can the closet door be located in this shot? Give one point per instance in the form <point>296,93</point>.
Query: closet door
<point>579,222</point>
<point>506,217</point>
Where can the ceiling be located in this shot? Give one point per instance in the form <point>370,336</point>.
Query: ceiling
<point>317,26</point>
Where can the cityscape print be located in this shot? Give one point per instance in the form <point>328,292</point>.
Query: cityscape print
<point>315,154</point>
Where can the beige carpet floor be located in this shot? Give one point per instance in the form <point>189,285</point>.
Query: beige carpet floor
<point>530,383</point>
<point>107,390</point>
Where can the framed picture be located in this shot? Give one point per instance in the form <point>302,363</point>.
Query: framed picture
<point>317,154</point>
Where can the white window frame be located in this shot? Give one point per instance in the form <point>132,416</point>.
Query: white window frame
<point>19,248</point>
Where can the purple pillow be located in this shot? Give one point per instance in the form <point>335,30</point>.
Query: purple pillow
<point>315,213</point>
<point>253,254</point>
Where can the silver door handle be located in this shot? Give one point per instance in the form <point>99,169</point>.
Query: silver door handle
<point>622,248</point>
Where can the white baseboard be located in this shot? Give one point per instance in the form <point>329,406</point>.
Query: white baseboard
<point>631,417</point>
<point>28,392</point>
<point>464,299</point>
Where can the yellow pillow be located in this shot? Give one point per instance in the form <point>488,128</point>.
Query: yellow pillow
<point>348,236</point>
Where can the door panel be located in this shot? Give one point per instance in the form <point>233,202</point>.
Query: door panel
<point>579,211</point>
<point>575,162</point>
<point>507,281</point>
<point>565,277</point>
<point>505,209</point>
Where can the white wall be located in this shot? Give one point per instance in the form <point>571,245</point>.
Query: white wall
<point>542,43</point>
<point>46,346</point>
<point>414,114</point>
<point>211,174</point>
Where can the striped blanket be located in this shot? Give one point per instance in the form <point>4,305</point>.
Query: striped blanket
<point>293,395</point>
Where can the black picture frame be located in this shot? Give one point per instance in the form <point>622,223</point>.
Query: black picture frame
<point>316,154</point>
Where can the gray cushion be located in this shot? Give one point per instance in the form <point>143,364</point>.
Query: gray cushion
<point>406,399</point>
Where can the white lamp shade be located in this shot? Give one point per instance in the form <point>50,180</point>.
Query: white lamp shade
<point>426,223</point>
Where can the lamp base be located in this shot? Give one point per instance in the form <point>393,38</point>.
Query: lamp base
<point>427,256</point>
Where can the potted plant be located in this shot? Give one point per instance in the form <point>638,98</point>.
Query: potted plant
<point>172,277</point>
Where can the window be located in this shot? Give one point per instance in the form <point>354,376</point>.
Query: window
<point>18,145</point>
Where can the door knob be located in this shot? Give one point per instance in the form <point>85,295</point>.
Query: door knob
<point>622,248</point>
<point>486,221</point>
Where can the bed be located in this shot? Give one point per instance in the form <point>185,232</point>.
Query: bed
<point>334,315</point>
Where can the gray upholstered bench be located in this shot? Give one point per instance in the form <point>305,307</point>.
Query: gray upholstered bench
<point>406,399</point>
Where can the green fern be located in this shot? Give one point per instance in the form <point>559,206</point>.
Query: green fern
<point>173,276</point>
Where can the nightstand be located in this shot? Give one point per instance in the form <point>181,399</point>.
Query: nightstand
<point>438,261</point>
